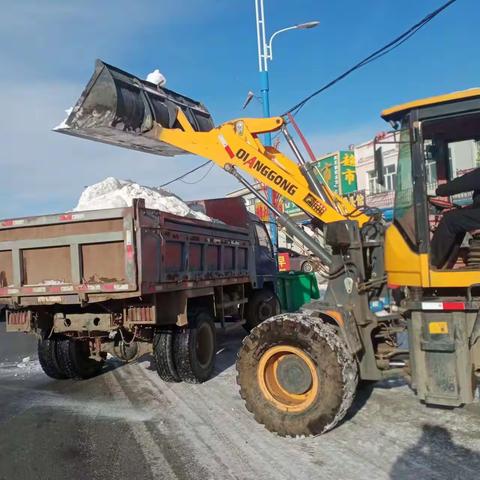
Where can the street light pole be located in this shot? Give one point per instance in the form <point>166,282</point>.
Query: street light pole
<point>263,49</point>
<point>265,54</point>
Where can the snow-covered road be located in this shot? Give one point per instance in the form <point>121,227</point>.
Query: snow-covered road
<point>127,423</point>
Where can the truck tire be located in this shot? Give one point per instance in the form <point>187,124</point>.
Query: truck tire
<point>296,375</point>
<point>47,356</point>
<point>261,305</point>
<point>163,354</point>
<point>74,359</point>
<point>194,349</point>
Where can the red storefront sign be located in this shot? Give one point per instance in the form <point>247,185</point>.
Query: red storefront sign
<point>283,262</point>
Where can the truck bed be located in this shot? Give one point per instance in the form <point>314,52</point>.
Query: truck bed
<point>94,256</point>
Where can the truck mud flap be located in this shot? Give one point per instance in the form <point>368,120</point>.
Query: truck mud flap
<point>120,109</point>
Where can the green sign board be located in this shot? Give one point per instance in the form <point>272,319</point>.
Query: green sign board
<point>290,208</point>
<point>348,173</point>
<point>338,170</point>
<point>327,169</point>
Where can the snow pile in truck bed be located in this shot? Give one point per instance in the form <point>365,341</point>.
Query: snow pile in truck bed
<point>115,193</point>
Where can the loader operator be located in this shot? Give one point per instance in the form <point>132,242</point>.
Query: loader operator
<point>455,223</point>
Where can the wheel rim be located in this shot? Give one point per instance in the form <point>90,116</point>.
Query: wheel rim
<point>288,378</point>
<point>204,345</point>
<point>308,267</point>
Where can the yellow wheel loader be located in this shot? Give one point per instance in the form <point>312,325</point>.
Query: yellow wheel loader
<point>298,372</point>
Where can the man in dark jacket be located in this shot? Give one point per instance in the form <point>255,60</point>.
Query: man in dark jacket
<point>456,223</point>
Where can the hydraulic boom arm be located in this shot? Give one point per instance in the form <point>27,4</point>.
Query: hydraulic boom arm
<point>236,144</point>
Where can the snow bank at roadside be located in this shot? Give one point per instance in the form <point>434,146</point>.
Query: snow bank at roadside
<point>115,193</point>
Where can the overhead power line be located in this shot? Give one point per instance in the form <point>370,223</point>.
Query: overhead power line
<point>186,174</point>
<point>201,178</point>
<point>392,45</point>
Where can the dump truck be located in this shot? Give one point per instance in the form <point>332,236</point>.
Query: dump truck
<point>298,372</point>
<point>128,281</point>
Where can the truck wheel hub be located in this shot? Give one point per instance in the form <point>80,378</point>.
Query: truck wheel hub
<point>266,311</point>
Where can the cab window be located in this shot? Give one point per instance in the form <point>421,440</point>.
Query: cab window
<point>263,237</point>
<point>452,148</point>
<point>403,214</point>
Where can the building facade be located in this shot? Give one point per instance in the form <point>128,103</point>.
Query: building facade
<point>376,195</point>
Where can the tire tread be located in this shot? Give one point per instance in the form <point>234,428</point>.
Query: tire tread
<point>163,353</point>
<point>47,356</point>
<point>183,351</point>
<point>75,363</point>
<point>65,358</point>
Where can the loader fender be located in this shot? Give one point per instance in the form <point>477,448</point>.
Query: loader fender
<point>343,320</point>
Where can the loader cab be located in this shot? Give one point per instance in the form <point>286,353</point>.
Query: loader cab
<point>438,140</point>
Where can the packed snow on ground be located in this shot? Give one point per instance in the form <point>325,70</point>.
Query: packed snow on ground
<point>21,369</point>
<point>115,193</point>
<point>24,363</point>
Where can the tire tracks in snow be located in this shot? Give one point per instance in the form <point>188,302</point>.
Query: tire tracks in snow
<point>153,453</point>
<point>269,456</point>
<point>184,427</point>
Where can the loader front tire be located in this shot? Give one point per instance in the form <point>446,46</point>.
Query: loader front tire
<point>296,375</point>
<point>74,359</point>
<point>163,354</point>
<point>195,348</point>
<point>47,356</point>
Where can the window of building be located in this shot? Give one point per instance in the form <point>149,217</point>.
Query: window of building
<point>250,203</point>
<point>390,173</point>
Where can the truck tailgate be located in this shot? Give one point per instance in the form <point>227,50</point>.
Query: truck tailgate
<point>68,254</point>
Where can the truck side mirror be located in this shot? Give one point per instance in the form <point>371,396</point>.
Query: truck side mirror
<point>378,160</point>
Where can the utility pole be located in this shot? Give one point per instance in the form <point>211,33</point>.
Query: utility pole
<point>265,54</point>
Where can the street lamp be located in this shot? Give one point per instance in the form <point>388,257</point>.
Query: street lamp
<point>265,53</point>
<point>300,26</point>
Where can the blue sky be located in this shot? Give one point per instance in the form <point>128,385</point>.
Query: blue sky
<point>207,50</point>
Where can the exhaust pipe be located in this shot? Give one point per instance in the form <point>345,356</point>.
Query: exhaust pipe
<point>120,109</point>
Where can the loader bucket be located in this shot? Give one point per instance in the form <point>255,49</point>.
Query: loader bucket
<point>120,109</point>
